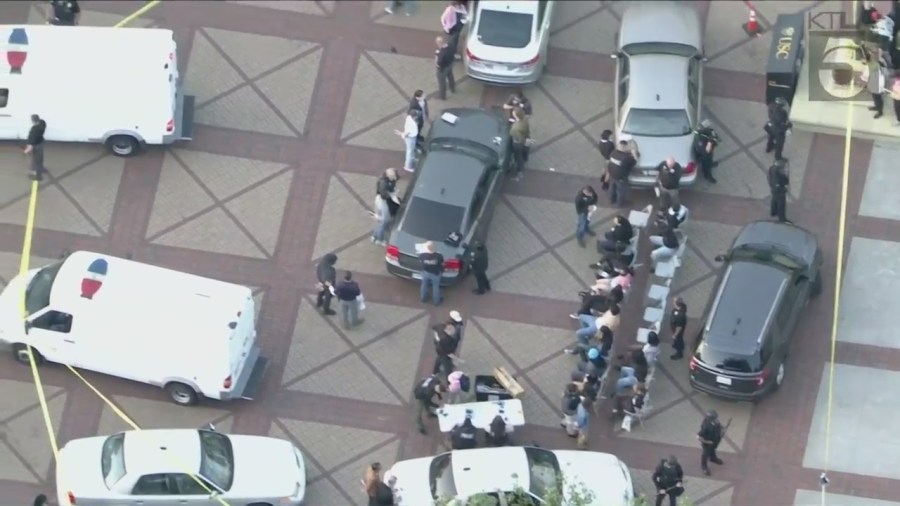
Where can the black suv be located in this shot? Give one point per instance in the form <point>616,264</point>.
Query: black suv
<point>771,272</point>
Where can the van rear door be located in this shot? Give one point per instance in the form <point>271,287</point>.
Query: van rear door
<point>10,123</point>
<point>247,366</point>
<point>181,126</point>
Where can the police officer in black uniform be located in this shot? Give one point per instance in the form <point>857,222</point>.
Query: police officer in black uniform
<point>478,260</point>
<point>463,436</point>
<point>777,127</point>
<point>778,185</point>
<point>64,12</point>
<point>710,435</point>
<point>677,324</point>
<point>705,141</point>
<point>667,478</point>
<point>425,393</point>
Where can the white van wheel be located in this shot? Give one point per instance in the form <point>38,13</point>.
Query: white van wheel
<point>181,394</point>
<point>20,351</point>
<point>123,145</point>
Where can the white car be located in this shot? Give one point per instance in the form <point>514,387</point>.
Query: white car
<point>507,41</point>
<point>511,471</point>
<point>180,467</point>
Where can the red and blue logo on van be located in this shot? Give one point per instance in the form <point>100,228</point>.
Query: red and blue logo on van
<point>17,50</point>
<point>93,281</point>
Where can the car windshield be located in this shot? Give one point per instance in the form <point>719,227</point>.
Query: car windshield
<point>728,360</point>
<point>440,474</point>
<point>769,257</point>
<point>667,48</point>
<point>37,295</point>
<point>465,146</point>
<point>657,123</point>
<point>544,474</point>
<point>112,459</point>
<point>432,221</point>
<point>504,29</point>
<point>216,459</point>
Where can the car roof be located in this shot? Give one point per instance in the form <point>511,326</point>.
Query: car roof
<point>645,88</point>
<point>785,236</point>
<point>490,469</point>
<point>522,6</point>
<point>660,21</point>
<point>448,177</point>
<point>162,451</point>
<point>744,306</point>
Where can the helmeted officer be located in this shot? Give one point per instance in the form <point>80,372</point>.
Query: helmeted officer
<point>478,260</point>
<point>778,185</point>
<point>667,478</point>
<point>710,435</point>
<point>777,127</point>
<point>705,141</point>
<point>63,12</point>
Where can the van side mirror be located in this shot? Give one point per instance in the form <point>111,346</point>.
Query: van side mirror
<point>720,258</point>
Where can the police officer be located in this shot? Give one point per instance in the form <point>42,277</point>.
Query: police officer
<point>478,260</point>
<point>677,324</point>
<point>705,141</point>
<point>426,392</point>
<point>710,435</point>
<point>621,161</point>
<point>778,185</point>
<point>778,126</point>
<point>63,12</point>
<point>667,478</point>
<point>35,147</point>
<point>463,435</point>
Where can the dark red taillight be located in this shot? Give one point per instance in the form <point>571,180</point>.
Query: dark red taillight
<point>532,62</point>
<point>690,168</point>
<point>227,383</point>
<point>392,254</point>
<point>71,497</point>
<point>453,264</point>
<point>693,365</point>
<point>471,56</point>
<point>170,126</point>
<point>763,376</point>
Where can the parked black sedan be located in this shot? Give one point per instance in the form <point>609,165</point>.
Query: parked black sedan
<point>452,194</point>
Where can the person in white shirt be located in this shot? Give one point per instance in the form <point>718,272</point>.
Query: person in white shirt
<point>382,216</point>
<point>410,134</point>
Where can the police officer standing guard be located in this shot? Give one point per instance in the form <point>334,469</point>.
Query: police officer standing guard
<point>667,478</point>
<point>710,435</point>
<point>778,126</point>
<point>705,141</point>
<point>63,12</point>
<point>778,185</point>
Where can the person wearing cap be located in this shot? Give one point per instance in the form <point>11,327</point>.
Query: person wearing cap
<point>777,127</point>
<point>778,186</point>
<point>594,363</point>
<point>710,435</point>
<point>621,161</point>
<point>668,479</point>
<point>705,141</point>
<point>456,321</point>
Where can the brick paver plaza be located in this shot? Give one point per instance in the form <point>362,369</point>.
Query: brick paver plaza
<point>297,103</point>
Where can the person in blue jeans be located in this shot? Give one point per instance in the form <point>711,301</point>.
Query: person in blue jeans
<point>627,380</point>
<point>585,202</point>
<point>432,268</point>
<point>588,329</point>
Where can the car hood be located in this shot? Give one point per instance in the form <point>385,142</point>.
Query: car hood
<point>78,469</point>
<point>602,473</point>
<point>413,482</point>
<point>277,478</point>
<point>407,245</point>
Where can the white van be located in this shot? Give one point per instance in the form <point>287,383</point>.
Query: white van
<point>190,335</point>
<point>117,86</point>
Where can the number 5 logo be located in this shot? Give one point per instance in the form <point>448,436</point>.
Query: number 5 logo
<point>843,71</point>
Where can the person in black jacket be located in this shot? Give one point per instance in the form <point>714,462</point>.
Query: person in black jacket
<point>618,238</point>
<point>585,202</point>
<point>425,393</point>
<point>325,275</point>
<point>705,141</point>
<point>419,103</point>
<point>464,435</point>
<point>778,185</point>
<point>40,500</point>
<point>387,188</point>
<point>621,161</point>
<point>446,343</point>
<point>668,179</point>
<point>63,13</point>
<point>496,435</point>
<point>478,260</point>
<point>668,480</point>
<point>666,245</point>
<point>606,145</point>
<point>710,435</point>
<point>348,293</point>
<point>777,126</point>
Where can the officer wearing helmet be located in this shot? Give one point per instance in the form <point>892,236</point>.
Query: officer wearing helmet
<point>777,127</point>
<point>668,480</point>
<point>778,185</point>
<point>710,435</point>
<point>705,141</point>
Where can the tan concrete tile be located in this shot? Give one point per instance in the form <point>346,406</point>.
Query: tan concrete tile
<point>253,53</point>
<point>567,13</point>
<point>666,390</point>
<point>349,475</point>
<point>149,414</point>
<point>38,15</point>
<point>343,220</point>
<point>10,265</point>
<point>595,33</point>
<point>243,109</point>
<point>737,412</point>
<point>510,242</point>
<point>322,491</point>
<point>677,425</point>
<point>409,72</point>
<point>526,344</point>
<point>291,88</point>
<point>55,212</point>
<point>363,185</point>
<point>595,128</point>
<point>677,369</point>
<point>571,154</point>
<point>397,354</point>
<point>332,446</point>
<point>381,136</point>
<point>261,210</point>
<point>96,187</point>
<point>697,296</point>
<point>178,196</point>
<point>372,99</point>
<point>544,276</point>
<point>208,73</point>
<point>721,499</point>
<point>744,119</point>
<point>539,411</point>
<point>723,30</point>
<point>692,268</point>
<point>695,487</point>
<point>14,182</point>
<point>20,396</point>
<point>739,176</point>
<point>427,16</point>
<point>548,121</point>
<point>225,176</point>
<point>710,238</point>
<point>796,149</point>
<point>383,319</point>
<point>551,377</point>
<point>363,257</point>
<point>212,231</point>
<point>13,469</point>
<point>299,6</point>
<point>480,355</point>
<point>313,471</point>
<point>313,343</point>
<point>27,434</point>
<point>578,259</point>
<point>468,93</point>
<point>349,378</point>
<point>62,157</point>
<point>553,220</point>
<point>581,98</point>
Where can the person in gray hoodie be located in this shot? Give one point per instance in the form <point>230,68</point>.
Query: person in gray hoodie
<point>326,276</point>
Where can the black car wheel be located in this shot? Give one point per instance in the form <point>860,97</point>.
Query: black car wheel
<point>816,288</point>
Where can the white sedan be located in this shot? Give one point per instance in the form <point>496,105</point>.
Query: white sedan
<point>180,467</point>
<point>530,475</point>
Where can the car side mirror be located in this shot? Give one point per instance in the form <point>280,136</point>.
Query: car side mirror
<point>211,427</point>
<point>720,258</point>
<point>28,326</point>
